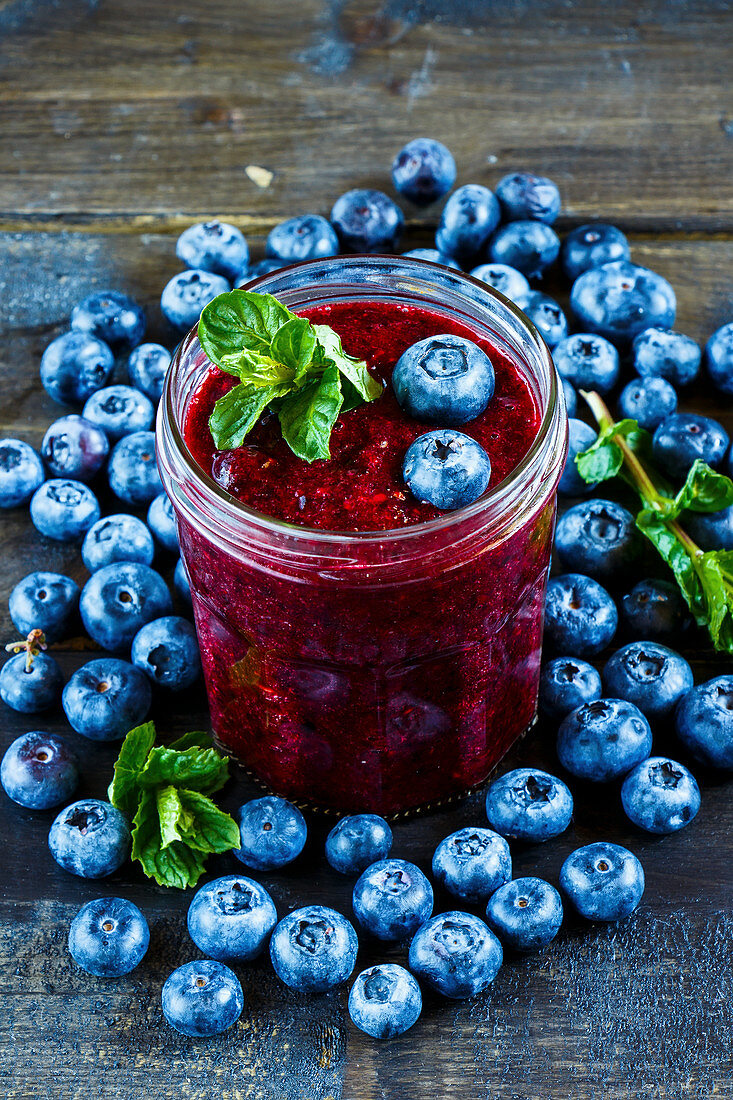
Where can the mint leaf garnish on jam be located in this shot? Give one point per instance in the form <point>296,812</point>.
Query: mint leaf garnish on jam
<point>283,361</point>
<point>705,578</point>
<point>165,790</point>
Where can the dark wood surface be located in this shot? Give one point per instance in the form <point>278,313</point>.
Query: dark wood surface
<point>120,122</point>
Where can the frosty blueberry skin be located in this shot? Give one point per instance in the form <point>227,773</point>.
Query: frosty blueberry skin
<point>704,722</point>
<point>74,447</point>
<point>580,616</point>
<point>456,954</point>
<point>592,245</point>
<point>618,300</point>
<point>682,438</point>
<point>147,368</point>
<point>202,998</point>
<point>446,468</point>
<point>525,914</point>
<point>133,471</point>
<point>39,770</point>
<point>119,599</point>
<point>719,358</point>
<point>469,217</point>
<point>74,366</point>
<point>580,437</point>
<point>523,196</point>
<point>649,675</point>
<point>108,937</point>
<point>648,401</point>
<point>214,246</point>
<point>529,246</point>
<point>444,379</point>
<point>31,690</point>
<point>602,881</point>
<point>110,316</point>
<point>471,863</point>
<point>392,898</point>
<point>587,361</point>
<point>167,651</point>
<point>120,410</point>
<point>603,740</point>
<point>231,918</point>
<point>567,683</point>
<point>64,509</point>
<point>660,795</point>
<point>106,698</point>
<point>44,601</point>
<point>423,170</point>
<point>661,353</point>
<point>272,833</point>
<point>654,608</point>
<point>306,237</point>
<point>598,537</point>
<point>187,293</point>
<point>385,1001</point>
<point>313,949</point>
<point>357,841</point>
<point>367,221</point>
<point>528,804</point>
<point>507,280</point>
<point>90,838</point>
<point>21,472</point>
<point>547,316</point>
<point>120,537</point>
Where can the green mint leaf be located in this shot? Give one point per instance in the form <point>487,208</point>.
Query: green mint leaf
<point>663,538</point>
<point>307,416</point>
<point>204,826</point>
<point>705,490</point>
<point>196,769</point>
<point>237,412</point>
<point>294,344</point>
<point>177,864</point>
<point>715,569</point>
<point>604,459</point>
<point>123,791</point>
<point>258,370</point>
<point>240,320</point>
<point>196,739</point>
<point>173,820</point>
<point>368,388</point>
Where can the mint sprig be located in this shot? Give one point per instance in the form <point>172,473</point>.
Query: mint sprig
<point>165,790</point>
<point>282,361</point>
<point>705,578</point>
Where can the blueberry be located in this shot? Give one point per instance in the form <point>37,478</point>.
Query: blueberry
<point>44,601</point>
<point>272,833</point>
<point>619,300</point>
<point>106,698</point>
<point>74,447</point>
<point>444,379</point>
<point>30,690</point>
<point>216,247</point>
<point>231,918</point>
<point>117,538</point>
<point>580,616</point>
<point>602,881</point>
<point>307,237</point>
<point>711,530</point>
<point>684,437</point>
<point>120,598</point>
<point>367,221</point>
<point>468,219</point>
<point>39,771</point>
<point>591,246</point>
<point>580,438</point>
<point>21,472</point>
<point>456,954</point>
<point>120,410</point>
<point>571,397</point>
<point>64,510</point>
<point>472,863</point>
<point>649,675</point>
<point>392,898</point>
<point>525,914</point>
<point>167,651</point>
<point>660,795</point>
<point>424,170</point>
<point>111,317</point>
<point>529,246</point>
<point>588,362</point>
<point>598,537</point>
<point>385,1001</point>
<point>528,804</point>
<point>108,937</point>
<point>313,949</point>
<point>719,358</point>
<point>654,609</point>
<point>162,522</point>
<point>74,366</point>
<point>662,353</point>
<point>357,841</point>
<point>648,401</point>
<point>433,257</point>
<point>566,683</point>
<point>146,369</point>
<point>546,315</point>
<point>603,740</point>
<point>202,998</point>
<point>704,722</point>
<point>446,468</point>
<point>90,839</point>
<point>133,471</point>
<point>507,280</point>
<point>181,582</point>
<point>523,196</point>
<point>185,295</point>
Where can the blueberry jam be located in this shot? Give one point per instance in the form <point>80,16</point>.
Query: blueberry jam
<point>354,684</point>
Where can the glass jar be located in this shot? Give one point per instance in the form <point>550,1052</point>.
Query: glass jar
<point>372,671</point>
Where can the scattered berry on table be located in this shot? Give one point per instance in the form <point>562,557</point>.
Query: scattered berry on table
<point>181,582</point>
<point>433,256</point>
<point>662,353</point>
<point>272,833</point>
<point>711,530</point>
<point>619,300</point>
<point>507,280</point>
<point>74,447</point>
<point>106,698</point>
<point>598,537</point>
<point>580,438</point>
<point>119,599</point>
<point>472,863</point>
<point>111,317</point>
<point>648,401</point>
<point>120,410</point>
<point>602,881</point>
<point>90,838</point>
<point>357,841</point>
<point>202,998</point>
<point>167,651</point>
<point>424,170</point>
<point>21,472</point>
<point>31,681</point>
<point>385,1001</point>
<point>74,366</point>
<point>649,675</point>
<point>524,196</point>
<point>186,294</point>
<point>660,795</point>
<point>39,770</point>
<point>367,221</point>
<point>231,918</point>
<point>547,316</point>
<point>567,683</point>
<point>64,509</point>
<point>313,949</point>
<point>530,247</point>
<point>469,217</point>
<point>146,369</point>
<point>48,602</point>
<point>654,608</point>
<point>446,468</point>
<point>162,522</point>
<point>456,954</point>
<point>108,937</point>
<point>580,616</point>
<point>603,740</point>
<point>444,379</point>
<point>306,237</point>
<point>216,247</point>
<point>525,914</point>
<point>684,437</point>
<point>587,361</point>
<point>529,805</point>
<point>391,899</point>
<point>590,246</point>
<point>121,537</point>
<point>704,722</point>
<point>133,471</point>
<point>719,358</point>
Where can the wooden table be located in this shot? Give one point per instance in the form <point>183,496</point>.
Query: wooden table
<point>120,123</point>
